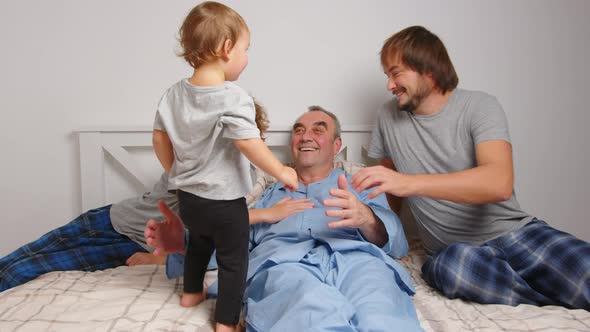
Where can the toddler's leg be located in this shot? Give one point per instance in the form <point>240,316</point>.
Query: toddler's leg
<point>197,256</point>
<point>200,246</point>
<point>231,243</point>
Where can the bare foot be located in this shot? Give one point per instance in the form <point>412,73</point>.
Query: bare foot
<point>166,236</point>
<point>191,299</point>
<point>144,258</point>
<point>226,328</point>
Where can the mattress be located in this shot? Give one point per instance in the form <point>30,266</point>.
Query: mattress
<point>141,298</point>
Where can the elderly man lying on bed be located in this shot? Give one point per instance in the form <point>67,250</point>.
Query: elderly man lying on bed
<point>326,267</point>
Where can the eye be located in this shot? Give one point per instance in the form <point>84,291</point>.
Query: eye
<point>319,130</point>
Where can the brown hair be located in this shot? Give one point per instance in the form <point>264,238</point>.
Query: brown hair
<point>205,29</point>
<point>423,52</point>
<point>261,118</point>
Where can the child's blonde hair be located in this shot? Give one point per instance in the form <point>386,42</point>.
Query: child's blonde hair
<point>205,30</point>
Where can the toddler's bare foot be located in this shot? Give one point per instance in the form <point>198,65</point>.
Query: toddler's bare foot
<point>191,299</point>
<point>226,328</point>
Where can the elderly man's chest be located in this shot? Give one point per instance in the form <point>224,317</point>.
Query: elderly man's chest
<point>313,219</point>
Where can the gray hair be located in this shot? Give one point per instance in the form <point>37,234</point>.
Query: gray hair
<point>337,129</point>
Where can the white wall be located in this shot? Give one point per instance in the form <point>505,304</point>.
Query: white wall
<point>68,64</point>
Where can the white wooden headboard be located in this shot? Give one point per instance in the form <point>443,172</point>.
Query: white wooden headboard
<point>118,163</point>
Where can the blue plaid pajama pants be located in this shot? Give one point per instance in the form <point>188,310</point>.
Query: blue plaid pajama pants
<point>87,243</point>
<point>535,264</point>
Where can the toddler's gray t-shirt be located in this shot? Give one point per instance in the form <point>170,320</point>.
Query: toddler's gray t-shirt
<point>202,123</point>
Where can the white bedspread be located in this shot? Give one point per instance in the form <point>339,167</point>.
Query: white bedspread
<point>142,299</point>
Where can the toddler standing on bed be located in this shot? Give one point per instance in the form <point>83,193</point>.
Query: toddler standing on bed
<point>204,127</point>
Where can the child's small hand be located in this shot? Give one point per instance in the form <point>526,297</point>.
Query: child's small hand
<point>286,207</point>
<point>289,178</point>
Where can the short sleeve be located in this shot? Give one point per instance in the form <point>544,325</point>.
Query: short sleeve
<point>376,149</point>
<point>239,116</point>
<point>162,106</point>
<point>158,124</point>
<point>488,121</point>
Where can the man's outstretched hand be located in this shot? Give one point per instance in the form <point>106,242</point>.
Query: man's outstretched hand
<point>166,236</point>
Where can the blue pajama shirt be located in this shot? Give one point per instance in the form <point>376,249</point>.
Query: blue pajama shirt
<point>303,275</point>
<point>87,243</point>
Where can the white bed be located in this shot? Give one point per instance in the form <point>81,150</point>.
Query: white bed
<point>140,298</point>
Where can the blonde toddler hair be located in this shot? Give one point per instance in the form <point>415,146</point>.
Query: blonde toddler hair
<point>205,30</point>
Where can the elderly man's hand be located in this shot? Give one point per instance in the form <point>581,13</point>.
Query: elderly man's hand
<point>353,213</point>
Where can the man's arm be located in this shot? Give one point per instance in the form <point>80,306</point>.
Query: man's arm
<point>492,180</point>
<point>163,149</point>
<point>395,203</point>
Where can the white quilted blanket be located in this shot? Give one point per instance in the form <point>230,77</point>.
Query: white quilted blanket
<point>142,299</point>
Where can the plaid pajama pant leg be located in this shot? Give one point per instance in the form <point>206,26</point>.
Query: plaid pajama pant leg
<point>87,243</point>
<point>535,264</point>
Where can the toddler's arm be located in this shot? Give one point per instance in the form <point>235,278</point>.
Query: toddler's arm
<point>163,149</point>
<point>281,210</point>
<point>260,155</point>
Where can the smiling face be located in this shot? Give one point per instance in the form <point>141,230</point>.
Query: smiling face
<point>313,143</point>
<point>410,87</point>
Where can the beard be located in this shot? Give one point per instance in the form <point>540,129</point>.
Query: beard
<point>423,90</point>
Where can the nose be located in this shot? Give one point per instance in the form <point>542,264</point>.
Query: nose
<point>306,136</point>
<point>390,84</point>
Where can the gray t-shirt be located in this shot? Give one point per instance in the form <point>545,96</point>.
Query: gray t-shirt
<point>202,123</point>
<point>130,216</point>
<point>443,143</point>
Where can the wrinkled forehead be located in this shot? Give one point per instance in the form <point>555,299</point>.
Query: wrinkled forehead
<point>314,119</point>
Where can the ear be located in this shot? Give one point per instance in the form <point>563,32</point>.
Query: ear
<point>337,145</point>
<point>226,49</point>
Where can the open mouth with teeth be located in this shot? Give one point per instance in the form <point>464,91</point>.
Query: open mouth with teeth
<point>399,92</point>
<point>307,149</point>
